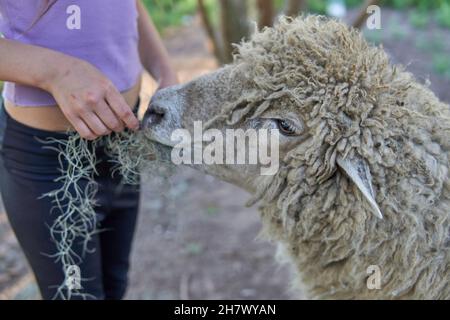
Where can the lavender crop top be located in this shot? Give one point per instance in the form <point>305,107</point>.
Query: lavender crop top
<point>101,32</point>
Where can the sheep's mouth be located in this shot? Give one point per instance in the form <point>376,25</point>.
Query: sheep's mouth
<point>160,149</point>
<point>151,135</point>
<point>162,142</point>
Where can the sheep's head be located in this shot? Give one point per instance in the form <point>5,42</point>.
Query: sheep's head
<point>312,78</point>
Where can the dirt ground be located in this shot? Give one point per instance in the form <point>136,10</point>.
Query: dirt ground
<point>195,238</point>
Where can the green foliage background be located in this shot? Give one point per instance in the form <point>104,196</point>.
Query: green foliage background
<point>167,13</point>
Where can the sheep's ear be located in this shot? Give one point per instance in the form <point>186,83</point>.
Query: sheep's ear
<point>358,171</point>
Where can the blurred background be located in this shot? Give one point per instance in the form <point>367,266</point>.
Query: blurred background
<point>195,238</point>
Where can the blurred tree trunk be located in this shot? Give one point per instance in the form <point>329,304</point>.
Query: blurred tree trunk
<point>212,34</point>
<point>266,11</point>
<point>362,15</point>
<point>234,25</point>
<point>294,7</point>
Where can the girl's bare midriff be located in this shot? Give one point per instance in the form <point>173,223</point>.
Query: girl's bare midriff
<point>51,118</point>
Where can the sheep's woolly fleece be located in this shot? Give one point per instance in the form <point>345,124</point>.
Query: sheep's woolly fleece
<point>354,102</point>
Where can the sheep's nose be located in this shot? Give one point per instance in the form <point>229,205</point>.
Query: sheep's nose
<point>153,116</point>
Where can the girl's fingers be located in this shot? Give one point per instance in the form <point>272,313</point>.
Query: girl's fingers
<point>82,129</point>
<point>108,117</point>
<point>122,109</point>
<point>95,124</point>
<point>79,125</point>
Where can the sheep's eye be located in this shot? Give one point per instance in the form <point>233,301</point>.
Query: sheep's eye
<point>286,127</point>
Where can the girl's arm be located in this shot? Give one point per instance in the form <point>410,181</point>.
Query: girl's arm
<point>38,71</point>
<point>87,98</point>
<point>153,54</point>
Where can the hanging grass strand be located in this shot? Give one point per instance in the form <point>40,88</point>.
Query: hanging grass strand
<point>74,202</point>
<point>134,153</point>
<point>129,153</point>
<point>73,205</point>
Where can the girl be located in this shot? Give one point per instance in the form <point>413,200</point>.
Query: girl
<point>72,65</point>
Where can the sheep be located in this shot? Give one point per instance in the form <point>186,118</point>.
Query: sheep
<point>363,182</point>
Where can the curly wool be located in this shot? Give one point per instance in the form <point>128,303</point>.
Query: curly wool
<point>353,102</point>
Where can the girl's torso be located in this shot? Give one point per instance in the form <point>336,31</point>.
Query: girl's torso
<point>101,32</point>
<point>51,118</point>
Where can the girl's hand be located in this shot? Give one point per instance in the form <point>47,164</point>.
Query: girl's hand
<point>90,101</point>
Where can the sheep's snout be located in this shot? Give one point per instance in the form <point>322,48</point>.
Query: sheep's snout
<point>162,117</point>
<point>153,116</point>
<point>164,110</point>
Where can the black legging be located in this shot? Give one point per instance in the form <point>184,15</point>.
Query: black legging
<point>27,171</point>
